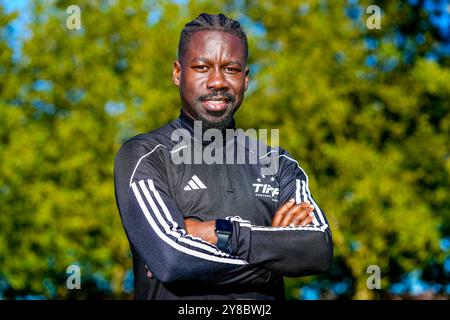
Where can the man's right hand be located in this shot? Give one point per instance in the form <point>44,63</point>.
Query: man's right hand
<point>291,213</point>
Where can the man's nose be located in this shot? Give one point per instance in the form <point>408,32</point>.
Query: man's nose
<point>216,81</point>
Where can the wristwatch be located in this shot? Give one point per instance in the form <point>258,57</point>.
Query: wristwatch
<point>224,230</point>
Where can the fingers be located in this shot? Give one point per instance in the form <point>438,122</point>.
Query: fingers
<point>297,221</point>
<point>281,212</point>
<point>298,215</point>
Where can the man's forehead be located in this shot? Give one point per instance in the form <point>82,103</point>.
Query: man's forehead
<point>207,44</point>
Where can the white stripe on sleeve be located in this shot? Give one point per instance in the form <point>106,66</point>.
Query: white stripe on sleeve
<point>163,236</point>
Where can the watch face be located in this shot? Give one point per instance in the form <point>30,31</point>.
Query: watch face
<point>224,225</point>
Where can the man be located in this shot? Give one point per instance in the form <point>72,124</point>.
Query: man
<point>214,231</point>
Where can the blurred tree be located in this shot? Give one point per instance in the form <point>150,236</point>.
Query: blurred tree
<point>368,120</point>
<point>365,111</point>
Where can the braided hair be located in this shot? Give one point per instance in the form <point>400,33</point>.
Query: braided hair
<point>211,22</point>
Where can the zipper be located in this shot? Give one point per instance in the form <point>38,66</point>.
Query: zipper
<point>230,187</point>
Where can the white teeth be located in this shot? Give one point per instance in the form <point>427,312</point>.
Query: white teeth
<point>216,104</point>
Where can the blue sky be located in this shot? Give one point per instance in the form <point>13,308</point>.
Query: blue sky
<point>17,31</point>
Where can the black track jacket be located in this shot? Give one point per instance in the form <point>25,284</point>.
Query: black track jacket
<point>154,196</point>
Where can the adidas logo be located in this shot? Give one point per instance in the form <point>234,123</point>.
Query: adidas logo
<point>194,184</point>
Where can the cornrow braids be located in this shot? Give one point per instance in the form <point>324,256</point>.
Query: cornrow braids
<point>211,22</point>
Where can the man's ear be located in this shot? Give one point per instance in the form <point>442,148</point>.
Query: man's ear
<point>247,77</point>
<point>176,72</point>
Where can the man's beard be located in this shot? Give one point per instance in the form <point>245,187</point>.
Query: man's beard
<point>211,123</point>
<point>216,119</point>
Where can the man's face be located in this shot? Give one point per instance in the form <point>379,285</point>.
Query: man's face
<point>212,77</point>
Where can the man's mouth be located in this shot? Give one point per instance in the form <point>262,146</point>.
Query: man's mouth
<point>215,104</point>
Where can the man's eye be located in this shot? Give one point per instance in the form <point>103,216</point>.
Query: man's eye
<point>201,68</point>
<point>233,70</point>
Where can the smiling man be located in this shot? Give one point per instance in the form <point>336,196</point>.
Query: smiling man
<point>220,230</point>
<point>212,74</point>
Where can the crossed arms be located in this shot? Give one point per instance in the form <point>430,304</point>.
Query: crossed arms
<point>176,249</point>
<point>289,214</point>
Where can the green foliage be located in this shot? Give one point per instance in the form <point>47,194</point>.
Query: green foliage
<point>374,139</point>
